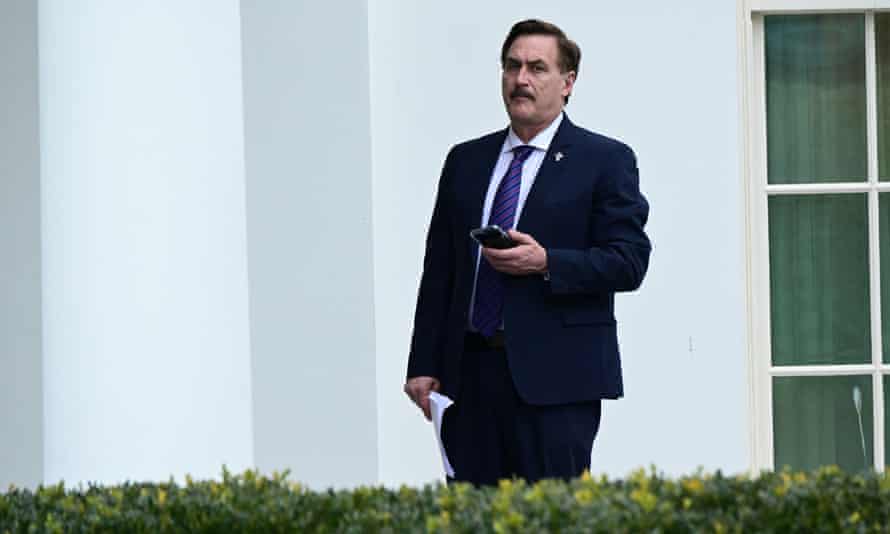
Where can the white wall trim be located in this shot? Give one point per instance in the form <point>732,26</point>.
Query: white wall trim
<point>757,243</point>
<point>822,370</point>
<point>744,30</point>
<point>874,238</point>
<point>812,6</point>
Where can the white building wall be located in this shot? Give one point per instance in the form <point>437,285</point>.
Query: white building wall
<point>145,315</point>
<point>154,364</point>
<point>21,393</point>
<point>662,77</point>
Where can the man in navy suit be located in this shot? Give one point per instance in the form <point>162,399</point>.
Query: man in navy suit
<point>524,339</point>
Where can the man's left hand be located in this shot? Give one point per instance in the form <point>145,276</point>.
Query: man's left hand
<point>527,257</point>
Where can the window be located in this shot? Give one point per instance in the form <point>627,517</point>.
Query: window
<point>818,141</point>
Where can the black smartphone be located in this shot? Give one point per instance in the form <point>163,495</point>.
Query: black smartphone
<point>492,237</point>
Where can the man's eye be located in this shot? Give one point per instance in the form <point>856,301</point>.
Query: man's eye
<point>539,68</point>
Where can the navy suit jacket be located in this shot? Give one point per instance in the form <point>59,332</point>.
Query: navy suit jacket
<point>587,211</point>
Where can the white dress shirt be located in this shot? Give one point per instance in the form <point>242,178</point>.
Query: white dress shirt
<point>540,143</point>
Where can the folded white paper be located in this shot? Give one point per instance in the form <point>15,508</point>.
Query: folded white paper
<point>438,405</point>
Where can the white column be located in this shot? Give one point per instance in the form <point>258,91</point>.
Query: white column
<point>21,398</point>
<point>309,221</point>
<point>146,336</point>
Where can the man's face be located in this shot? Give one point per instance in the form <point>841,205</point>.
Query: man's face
<point>532,85</point>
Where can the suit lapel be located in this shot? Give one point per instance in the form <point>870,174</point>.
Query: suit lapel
<point>478,177</point>
<point>549,177</point>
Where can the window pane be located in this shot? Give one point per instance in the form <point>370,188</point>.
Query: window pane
<point>882,27</point>
<point>886,381</point>
<point>823,421</point>
<point>884,232</point>
<point>818,255</point>
<point>815,98</point>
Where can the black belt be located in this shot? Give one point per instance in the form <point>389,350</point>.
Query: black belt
<point>476,341</point>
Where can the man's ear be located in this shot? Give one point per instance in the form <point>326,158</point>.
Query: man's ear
<point>569,83</point>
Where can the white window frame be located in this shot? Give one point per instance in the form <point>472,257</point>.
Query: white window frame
<point>754,174</point>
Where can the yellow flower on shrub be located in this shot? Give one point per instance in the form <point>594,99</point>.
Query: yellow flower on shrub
<point>780,491</point>
<point>535,494</point>
<point>584,496</point>
<point>513,522</point>
<point>644,498</point>
<point>693,485</point>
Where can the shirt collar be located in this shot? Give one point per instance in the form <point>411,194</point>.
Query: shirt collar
<point>540,142</point>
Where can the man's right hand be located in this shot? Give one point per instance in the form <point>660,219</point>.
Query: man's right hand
<point>418,390</point>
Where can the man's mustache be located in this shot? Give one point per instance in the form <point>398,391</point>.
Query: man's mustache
<point>520,92</point>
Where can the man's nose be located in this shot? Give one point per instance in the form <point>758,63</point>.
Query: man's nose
<point>522,75</point>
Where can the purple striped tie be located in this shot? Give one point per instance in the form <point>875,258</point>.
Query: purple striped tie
<point>489,304</point>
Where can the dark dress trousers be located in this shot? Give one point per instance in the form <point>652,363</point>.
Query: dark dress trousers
<point>561,349</point>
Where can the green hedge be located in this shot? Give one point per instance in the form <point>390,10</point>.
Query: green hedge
<point>825,501</point>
